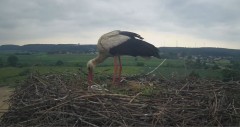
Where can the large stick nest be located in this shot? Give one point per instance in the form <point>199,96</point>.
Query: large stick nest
<point>63,100</point>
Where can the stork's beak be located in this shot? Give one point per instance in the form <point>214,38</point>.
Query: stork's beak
<point>90,76</point>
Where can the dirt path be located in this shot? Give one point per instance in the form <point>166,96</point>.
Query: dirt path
<point>5,92</point>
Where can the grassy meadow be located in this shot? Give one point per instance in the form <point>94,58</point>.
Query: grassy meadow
<point>60,63</point>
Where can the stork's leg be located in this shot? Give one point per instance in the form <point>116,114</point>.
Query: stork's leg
<point>115,69</point>
<point>120,69</point>
<point>90,77</point>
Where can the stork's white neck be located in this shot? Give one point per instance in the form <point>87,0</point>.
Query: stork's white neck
<point>97,60</point>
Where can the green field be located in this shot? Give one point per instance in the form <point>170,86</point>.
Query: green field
<point>46,63</point>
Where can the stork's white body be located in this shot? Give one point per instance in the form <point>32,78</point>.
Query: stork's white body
<point>111,39</point>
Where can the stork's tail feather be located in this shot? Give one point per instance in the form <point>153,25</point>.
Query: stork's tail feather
<point>132,35</point>
<point>138,36</point>
<point>156,53</point>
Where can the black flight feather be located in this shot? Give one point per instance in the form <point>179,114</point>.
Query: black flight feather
<point>135,47</point>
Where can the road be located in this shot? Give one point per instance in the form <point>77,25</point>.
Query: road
<point>5,92</point>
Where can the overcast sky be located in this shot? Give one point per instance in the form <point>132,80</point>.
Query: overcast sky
<point>185,23</point>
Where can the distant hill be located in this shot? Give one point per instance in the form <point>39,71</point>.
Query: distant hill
<point>208,51</point>
<point>165,51</point>
<point>49,48</point>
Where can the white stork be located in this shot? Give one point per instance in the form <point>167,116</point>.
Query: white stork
<point>117,43</point>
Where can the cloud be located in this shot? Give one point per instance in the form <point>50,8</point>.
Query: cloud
<point>29,21</point>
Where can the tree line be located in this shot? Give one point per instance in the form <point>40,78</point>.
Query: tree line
<point>50,48</point>
<point>166,52</point>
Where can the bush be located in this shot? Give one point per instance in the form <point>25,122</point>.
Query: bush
<point>59,63</point>
<point>12,60</point>
<point>194,74</point>
<point>140,64</point>
<point>215,67</point>
<point>229,75</point>
<point>80,64</point>
<point>24,72</point>
<point>1,62</point>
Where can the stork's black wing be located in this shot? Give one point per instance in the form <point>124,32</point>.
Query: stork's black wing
<point>131,34</point>
<point>135,47</point>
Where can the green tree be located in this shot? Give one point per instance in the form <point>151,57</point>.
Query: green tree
<point>229,74</point>
<point>194,74</point>
<point>235,65</point>
<point>12,60</point>
<point>140,64</point>
<point>232,72</point>
<point>198,63</point>
<point>1,62</point>
<point>59,63</point>
<point>215,67</point>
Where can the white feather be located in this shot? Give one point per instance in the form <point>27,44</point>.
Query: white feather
<point>110,40</point>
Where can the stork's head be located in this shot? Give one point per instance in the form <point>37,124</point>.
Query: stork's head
<point>90,67</point>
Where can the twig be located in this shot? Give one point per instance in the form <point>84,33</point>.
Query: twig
<point>156,67</point>
<point>134,97</point>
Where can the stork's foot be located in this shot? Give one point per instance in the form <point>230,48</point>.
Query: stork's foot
<point>94,88</point>
<point>123,80</point>
<point>119,81</point>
